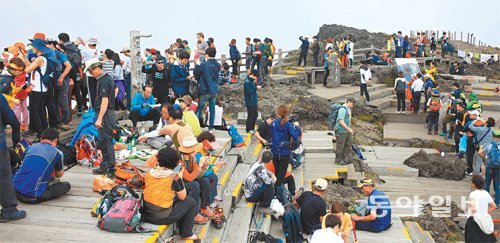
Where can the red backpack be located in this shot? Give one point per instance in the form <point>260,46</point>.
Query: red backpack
<point>435,105</point>
<point>124,215</point>
<point>87,153</point>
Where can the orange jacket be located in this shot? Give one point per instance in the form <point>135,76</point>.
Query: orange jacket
<point>270,167</point>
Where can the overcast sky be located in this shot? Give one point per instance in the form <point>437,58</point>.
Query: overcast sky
<point>283,21</point>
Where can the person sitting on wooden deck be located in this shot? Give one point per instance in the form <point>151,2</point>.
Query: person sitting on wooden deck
<point>312,207</point>
<point>289,179</point>
<point>38,177</point>
<point>165,196</point>
<point>379,218</point>
<point>259,184</point>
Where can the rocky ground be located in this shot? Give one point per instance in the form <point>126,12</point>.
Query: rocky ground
<point>476,69</point>
<point>362,38</point>
<point>343,194</point>
<point>448,167</point>
<point>442,229</point>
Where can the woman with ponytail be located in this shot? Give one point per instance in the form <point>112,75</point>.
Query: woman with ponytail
<point>284,132</point>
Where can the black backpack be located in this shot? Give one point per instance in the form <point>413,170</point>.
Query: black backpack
<point>74,56</point>
<point>69,154</point>
<point>291,224</point>
<point>5,84</point>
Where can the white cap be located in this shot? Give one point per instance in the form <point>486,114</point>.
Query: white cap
<point>92,41</point>
<point>125,49</point>
<point>91,63</point>
<point>321,184</point>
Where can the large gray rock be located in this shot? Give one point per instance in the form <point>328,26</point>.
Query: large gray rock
<point>448,167</point>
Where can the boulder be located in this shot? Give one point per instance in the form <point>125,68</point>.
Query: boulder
<point>343,194</point>
<point>448,167</point>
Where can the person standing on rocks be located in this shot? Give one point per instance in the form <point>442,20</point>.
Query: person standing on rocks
<point>398,42</point>
<point>304,48</point>
<point>315,50</point>
<point>248,54</point>
<point>235,56</point>
<point>433,107</point>
<point>366,76</point>
<point>326,56</point>
<point>343,131</point>
<point>207,75</point>
<point>417,88</point>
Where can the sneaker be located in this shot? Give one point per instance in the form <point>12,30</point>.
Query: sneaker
<point>207,213</point>
<point>191,238</point>
<point>199,219</point>
<point>217,198</point>
<point>14,215</point>
<point>99,171</point>
<point>252,132</point>
<point>444,134</point>
<point>211,130</point>
<point>403,112</point>
<point>468,173</point>
<point>267,210</point>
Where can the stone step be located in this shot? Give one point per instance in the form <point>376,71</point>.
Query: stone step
<point>390,115</point>
<point>416,233</point>
<point>401,133</point>
<point>293,72</point>
<point>463,77</point>
<point>376,92</point>
<point>395,233</point>
<point>391,101</point>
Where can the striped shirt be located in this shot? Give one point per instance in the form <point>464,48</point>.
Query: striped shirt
<point>108,67</point>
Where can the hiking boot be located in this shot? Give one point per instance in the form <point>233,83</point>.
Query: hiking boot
<point>14,215</point>
<point>444,134</point>
<point>207,213</point>
<point>435,133</point>
<point>99,171</point>
<point>429,133</point>
<point>267,210</point>
<point>199,219</point>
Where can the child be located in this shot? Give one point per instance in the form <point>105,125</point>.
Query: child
<point>220,122</point>
<point>224,74</point>
<point>251,99</point>
<point>20,91</point>
<point>433,106</point>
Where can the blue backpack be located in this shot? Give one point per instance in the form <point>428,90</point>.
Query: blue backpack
<point>52,73</point>
<point>291,224</point>
<point>283,195</point>
<point>236,139</point>
<point>332,116</point>
<point>494,156</point>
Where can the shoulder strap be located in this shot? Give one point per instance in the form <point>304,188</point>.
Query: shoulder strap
<point>484,135</point>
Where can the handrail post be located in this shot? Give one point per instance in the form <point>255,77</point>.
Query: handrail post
<point>372,48</point>
<point>222,58</point>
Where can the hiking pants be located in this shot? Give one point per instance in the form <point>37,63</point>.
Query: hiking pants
<point>281,163</point>
<point>153,115</point>
<point>290,183</point>
<point>448,118</point>
<point>50,104</point>
<point>211,99</point>
<point>469,153</point>
<point>128,82</point>
<point>204,183</point>
<point>183,212</point>
<point>252,114</point>
<point>264,68</point>
<point>363,90</point>
<point>213,180</point>
<point>106,140</point>
<point>398,51</point>
<point>327,73</point>
<point>401,100</point>
<point>92,86</point>
<point>427,96</point>
<point>416,101</point>
<point>7,193</point>
<point>432,121</point>
<point>193,191</point>
<point>77,91</point>
<point>366,226</point>
<point>493,174</point>
<point>263,195</point>
<point>344,144</point>
<point>53,191</point>
<point>62,106</point>
<point>303,57</point>
<point>256,61</point>
<point>38,116</point>
<point>315,59</point>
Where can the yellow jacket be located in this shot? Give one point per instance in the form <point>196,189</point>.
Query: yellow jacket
<point>431,72</point>
<point>10,97</point>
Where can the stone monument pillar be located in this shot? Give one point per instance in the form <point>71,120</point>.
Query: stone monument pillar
<point>333,80</point>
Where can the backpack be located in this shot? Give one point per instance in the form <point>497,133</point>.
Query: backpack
<point>297,155</point>
<point>291,224</point>
<point>283,195</point>
<point>236,139</point>
<point>130,175</point>
<point>357,151</point>
<point>5,84</point>
<point>425,40</point>
<point>347,49</point>
<point>193,89</point>
<point>52,73</point>
<point>87,153</point>
<point>108,199</point>
<point>434,106</point>
<point>74,54</point>
<point>124,216</point>
<point>494,156</point>
<point>69,154</point>
<point>332,117</point>
<point>15,161</point>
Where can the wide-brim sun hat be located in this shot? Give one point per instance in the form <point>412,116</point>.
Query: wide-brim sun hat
<point>91,64</point>
<point>189,145</point>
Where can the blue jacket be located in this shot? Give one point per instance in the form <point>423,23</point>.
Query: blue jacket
<point>282,136</point>
<point>178,75</point>
<point>304,46</point>
<point>137,102</point>
<point>207,75</point>
<point>234,54</point>
<point>250,92</point>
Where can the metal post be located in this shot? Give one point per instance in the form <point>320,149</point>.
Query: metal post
<point>454,35</point>
<point>461,35</point>
<point>222,58</point>
<point>468,38</point>
<point>135,59</point>
<point>474,42</point>
<point>372,48</point>
<point>280,59</point>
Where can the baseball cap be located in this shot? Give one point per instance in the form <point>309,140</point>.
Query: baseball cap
<point>321,184</point>
<point>436,92</point>
<point>38,35</point>
<point>366,182</point>
<point>186,99</point>
<point>351,99</point>
<point>125,49</point>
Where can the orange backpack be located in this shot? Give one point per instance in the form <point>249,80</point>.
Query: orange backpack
<point>130,175</point>
<point>87,153</point>
<point>435,105</point>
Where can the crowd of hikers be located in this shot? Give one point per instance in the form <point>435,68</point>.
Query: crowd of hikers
<point>39,83</point>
